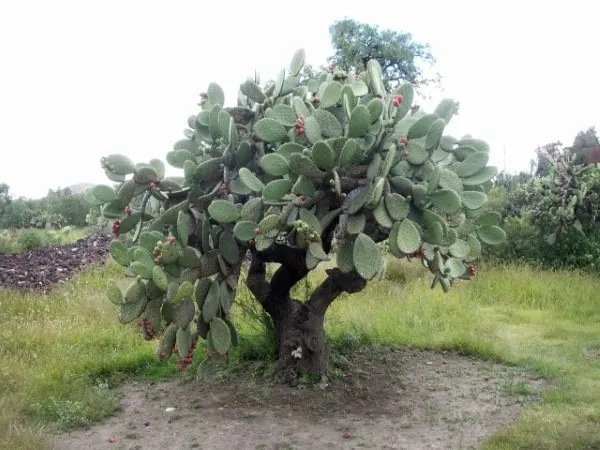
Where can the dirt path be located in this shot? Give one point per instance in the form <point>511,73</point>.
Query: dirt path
<point>403,399</point>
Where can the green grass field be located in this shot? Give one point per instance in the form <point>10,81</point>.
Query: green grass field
<point>18,240</point>
<point>61,354</point>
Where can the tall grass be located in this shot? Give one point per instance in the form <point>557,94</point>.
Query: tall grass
<point>61,354</point>
<point>18,240</point>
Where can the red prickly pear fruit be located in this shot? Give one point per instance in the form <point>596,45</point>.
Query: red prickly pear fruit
<point>331,66</point>
<point>403,140</point>
<point>222,187</point>
<point>257,230</point>
<point>404,154</point>
<point>316,100</point>
<point>300,130</point>
<point>171,239</point>
<point>152,185</point>
<point>251,242</point>
<point>398,98</point>
<point>396,103</point>
<point>303,198</point>
<point>301,118</point>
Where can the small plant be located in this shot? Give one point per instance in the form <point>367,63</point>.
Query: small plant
<point>297,173</point>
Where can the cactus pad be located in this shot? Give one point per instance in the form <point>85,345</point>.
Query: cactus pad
<point>366,257</point>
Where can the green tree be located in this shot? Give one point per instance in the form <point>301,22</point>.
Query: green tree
<point>296,174</point>
<point>5,198</point>
<point>399,56</point>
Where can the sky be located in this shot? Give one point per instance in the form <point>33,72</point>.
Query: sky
<point>80,79</point>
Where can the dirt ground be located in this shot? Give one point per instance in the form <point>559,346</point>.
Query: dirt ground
<point>401,399</point>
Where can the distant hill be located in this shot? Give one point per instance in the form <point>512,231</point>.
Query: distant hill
<point>80,188</point>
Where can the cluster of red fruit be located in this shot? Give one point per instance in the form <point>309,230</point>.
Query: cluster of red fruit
<point>152,185</point>
<point>331,67</point>
<point>397,100</point>
<point>300,125</point>
<point>146,327</point>
<point>115,227</point>
<point>472,270</point>
<point>216,353</point>
<point>127,210</point>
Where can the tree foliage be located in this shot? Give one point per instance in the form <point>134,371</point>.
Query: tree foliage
<point>400,57</point>
<point>303,170</point>
<point>5,198</point>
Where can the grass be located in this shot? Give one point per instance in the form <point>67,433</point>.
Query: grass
<point>18,240</point>
<point>61,354</point>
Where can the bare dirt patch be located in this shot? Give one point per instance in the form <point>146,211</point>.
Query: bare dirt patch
<point>401,399</point>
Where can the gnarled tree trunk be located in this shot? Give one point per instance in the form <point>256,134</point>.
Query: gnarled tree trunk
<point>298,325</point>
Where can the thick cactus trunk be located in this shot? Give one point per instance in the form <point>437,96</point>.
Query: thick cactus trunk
<point>299,325</point>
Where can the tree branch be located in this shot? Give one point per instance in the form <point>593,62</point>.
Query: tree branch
<point>256,281</point>
<point>335,283</point>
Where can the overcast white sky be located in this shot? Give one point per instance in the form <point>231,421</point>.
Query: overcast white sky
<point>82,79</point>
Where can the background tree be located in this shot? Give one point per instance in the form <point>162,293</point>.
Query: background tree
<point>400,57</point>
<point>5,198</point>
<point>296,174</point>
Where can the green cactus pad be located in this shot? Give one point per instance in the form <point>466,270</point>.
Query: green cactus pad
<point>120,253</point>
<point>103,193</point>
<point>472,164</point>
<point>434,233</point>
<point>201,287</point>
<point>236,186</point>
<point>478,144</point>
<point>316,249</point>
<point>228,247</point>
<point>183,228</point>
<point>332,95</point>
<point>489,219</point>
<point>304,186</point>
<point>211,303</point>
<point>408,92</point>
<point>446,109</point>
<point>356,223</point>
<point>397,206</point>
<point>114,292</point>
<point>449,180</point>
<point>185,290</point>
<point>184,313</point>
<point>220,335</point>
<point>473,199</point>
<point>297,62</point>
<point>160,279</point>
<point>446,200</point>
<point>351,154</point>
<point>251,90</point>
<point>375,107</point>
<point>251,180</point>
<point>276,189</point>
<point>120,164</point>
<point>244,230</point>
<point>275,164</point>
<point>360,119</point>
<point>209,264</point>
<point>366,256</point>
<point>409,239</point>
<point>323,156</point>
<point>225,296</point>
<point>402,185</point>
<point>312,129</point>
<point>270,130</point>
<point>329,125</point>
<point>145,175</point>
<point>215,94</point>
<point>416,153</point>
<point>459,249</point>
<point>252,210</point>
<point>303,165</point>
<point>223,211</point>
<point>420,128</point>
<point>288,148</point>
<point>171,214</point>
<point>382,216</point>
<point>269,225</point>
<point>474,247</point>
<point>167,341</point>
<point>209,170</point>
<point>359,88</point>
<point>263,243</point>
<point>130,311</point>
<point>183,341</point>
<point>284,114</point>
<point>311,220</point>
<point>148,239</point>
<point>491,235</point>
<point>190,257</point>
<point>456,267</point>
<point>464,151</point>
<point>355,200</point>
<point>177,158</point>
<point>434,134</point>
<point>141,270</point>
<point>344,257</point>
<point>481,177</point>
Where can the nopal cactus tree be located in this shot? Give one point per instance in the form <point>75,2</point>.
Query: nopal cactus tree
<point>296,174</point>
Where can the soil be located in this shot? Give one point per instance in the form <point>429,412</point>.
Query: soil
<point>397,399</point>
<point>42,268</point>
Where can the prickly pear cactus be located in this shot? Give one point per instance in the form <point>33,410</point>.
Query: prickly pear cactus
<point>333,165</point>
<point>568,198</point>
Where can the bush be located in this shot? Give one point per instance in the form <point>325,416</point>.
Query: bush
<point>30,239</point>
